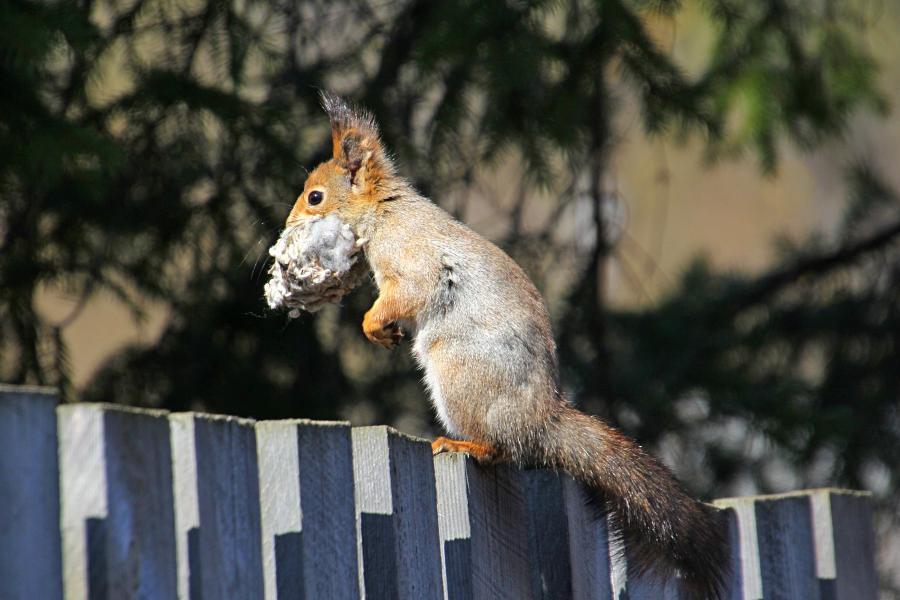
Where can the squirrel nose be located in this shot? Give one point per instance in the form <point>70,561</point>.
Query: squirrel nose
<point>293,218</point>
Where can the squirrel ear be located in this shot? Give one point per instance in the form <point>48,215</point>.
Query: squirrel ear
<point>355,141</point>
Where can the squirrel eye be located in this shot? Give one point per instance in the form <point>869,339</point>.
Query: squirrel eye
<point>315,197</point>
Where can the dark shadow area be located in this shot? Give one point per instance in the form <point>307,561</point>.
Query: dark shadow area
<point>458,569</point>
<point>195,564</point>
<point>548,539</point>
<point>379,553</point>
<point>289,566</point>
<point>95,530</point>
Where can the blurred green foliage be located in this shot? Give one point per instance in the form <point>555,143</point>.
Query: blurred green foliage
<point>151,149</point>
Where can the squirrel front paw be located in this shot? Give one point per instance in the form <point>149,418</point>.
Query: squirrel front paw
<point>386,335</point>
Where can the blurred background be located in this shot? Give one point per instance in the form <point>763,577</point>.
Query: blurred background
<point>705,191</point>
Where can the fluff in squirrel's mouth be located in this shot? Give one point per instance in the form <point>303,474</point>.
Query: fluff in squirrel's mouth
<point>317,262</point>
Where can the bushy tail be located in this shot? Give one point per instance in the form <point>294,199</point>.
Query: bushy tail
<point>663,528</point>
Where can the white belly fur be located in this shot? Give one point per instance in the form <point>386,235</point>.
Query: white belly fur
<point>433,384</point>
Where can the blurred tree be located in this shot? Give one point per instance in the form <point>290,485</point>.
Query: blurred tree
<point>151,149</point>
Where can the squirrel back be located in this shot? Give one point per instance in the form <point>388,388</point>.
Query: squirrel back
<point>484,341</point>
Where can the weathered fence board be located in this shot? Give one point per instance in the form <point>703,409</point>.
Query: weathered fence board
<point>397,515</point>
<point>140,522</point>
<point>308,511</point>
<point>816,544</point>
<point>108,502</point>
<point>187,510</point>
<point>30,555</point>
<point>83,503</point>
<point>548,535</point>
<point>787,559</point>
<point>117,511</point>
<point>588,547</point>
<point>229,536</point>
<point>483,530</point>
<point>746,574</point>
<point>846,567</point>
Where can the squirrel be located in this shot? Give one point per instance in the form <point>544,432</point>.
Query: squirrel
<point>482,336</point>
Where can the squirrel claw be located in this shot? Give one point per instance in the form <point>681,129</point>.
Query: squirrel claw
<point>388,336</point>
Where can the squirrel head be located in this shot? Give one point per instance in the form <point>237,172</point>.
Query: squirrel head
<point>359,175</point>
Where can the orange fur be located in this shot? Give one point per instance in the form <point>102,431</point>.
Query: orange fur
<point>483,453</point>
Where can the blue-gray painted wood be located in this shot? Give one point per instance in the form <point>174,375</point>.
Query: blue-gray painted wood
<point>397,516</point>
<point>734,589</point>
<point>747,572</point>
<point>30,546</point>
<point>484,530</point>
<point>588,545</point>
<point>134,504</point>
<point>117,518</point>
<point>139,527</point>
<point>228,540</point>
<point>454,526</point>
<point>548,535</point>
<point>648,587</point>
<point>308,509</point>
<point>786,551</point>
<point>83,501</point>
<point>844,545</point>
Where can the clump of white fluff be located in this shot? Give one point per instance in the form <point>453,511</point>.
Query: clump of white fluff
<point>316,262</point>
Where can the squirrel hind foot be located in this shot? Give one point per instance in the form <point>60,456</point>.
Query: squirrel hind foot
<point>483,453</point>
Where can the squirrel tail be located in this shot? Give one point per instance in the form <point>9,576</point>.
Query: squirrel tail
<point>664,529</point>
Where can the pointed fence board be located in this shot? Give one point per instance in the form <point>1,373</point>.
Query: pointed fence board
<point>30,553</point>
<point>109,502</point>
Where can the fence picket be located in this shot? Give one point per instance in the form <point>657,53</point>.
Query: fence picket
<point>397,515</point>
<point>30,546</point>
<point>308,510</point>
<point>844,545</point>
<point>548,535</point>
<point>224,549</point>
<point>117,512</point>
<point>484,532</point>
<point>588,545</point>
<point>83,508</point>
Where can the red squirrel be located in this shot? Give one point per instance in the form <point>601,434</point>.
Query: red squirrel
<point>482,337</point>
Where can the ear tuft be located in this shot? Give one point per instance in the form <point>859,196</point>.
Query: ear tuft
<point>355,141</point>
<point>344,116</point>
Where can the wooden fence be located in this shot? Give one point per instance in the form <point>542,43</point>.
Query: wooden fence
<point>109,502</point>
